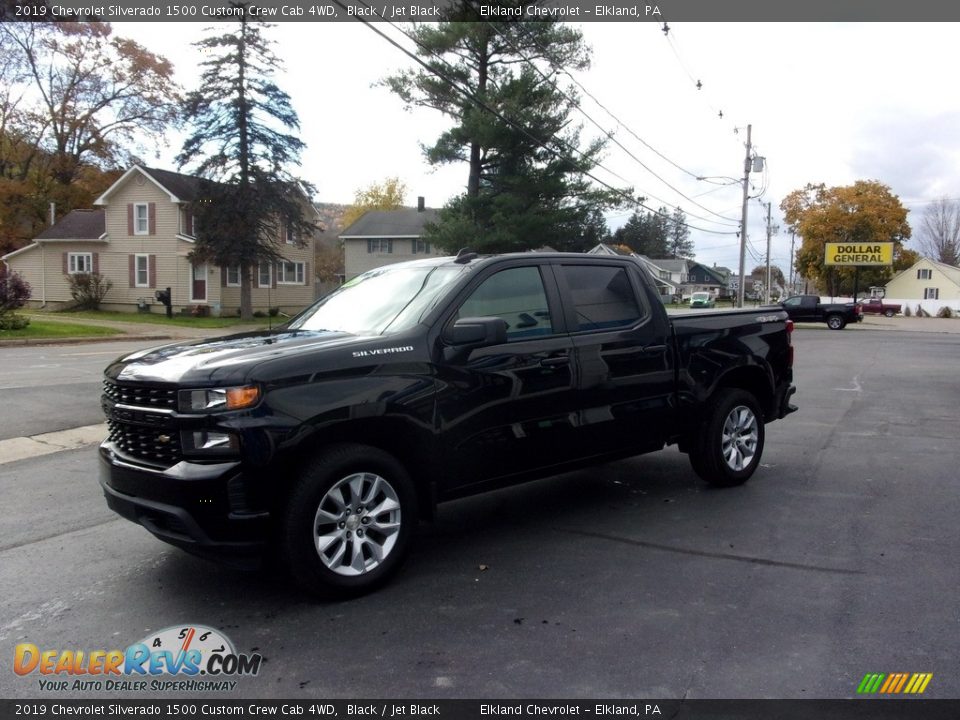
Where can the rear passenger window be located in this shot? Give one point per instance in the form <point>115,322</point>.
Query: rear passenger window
<point>602,296</point>
<point>517,296</point>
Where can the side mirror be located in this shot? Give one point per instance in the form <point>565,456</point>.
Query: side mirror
<point>477,331</point>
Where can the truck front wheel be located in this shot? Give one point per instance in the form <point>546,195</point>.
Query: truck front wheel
<point>889,313</point>
<point>729,442</point>
<point>835,322</point>
<point>348,521</point>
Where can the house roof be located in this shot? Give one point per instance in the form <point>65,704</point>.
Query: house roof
<point>711,272</point>
<point>671,264</point>
<point>77,225</point>
<point>604,249</point>
<point>185,187</point>
<point>180,188</point>
<point>404,222</point>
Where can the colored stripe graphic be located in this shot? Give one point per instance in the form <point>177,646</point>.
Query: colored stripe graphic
<point>894,683</point>
<point>870,683</point>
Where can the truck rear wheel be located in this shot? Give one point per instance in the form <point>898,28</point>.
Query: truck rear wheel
<point>835,322</point>
<point>348,522</point>
<point>729,442</point>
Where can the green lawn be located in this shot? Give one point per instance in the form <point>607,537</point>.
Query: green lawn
<point>159,318</point>
<point>44,329</point>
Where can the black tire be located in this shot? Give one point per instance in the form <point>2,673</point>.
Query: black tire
<point>836,322</point>
<point>337,498</point>
<point>889,313</point>
<point>729,443</point>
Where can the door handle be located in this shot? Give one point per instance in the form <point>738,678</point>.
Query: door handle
<point>654,349</point>
<point>555,361</point>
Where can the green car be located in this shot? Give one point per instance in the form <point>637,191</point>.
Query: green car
<point>701,300</point>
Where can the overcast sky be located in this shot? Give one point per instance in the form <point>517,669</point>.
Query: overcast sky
<point>830,103</point>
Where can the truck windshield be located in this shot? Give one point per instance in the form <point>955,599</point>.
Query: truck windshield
<point>385,300</point>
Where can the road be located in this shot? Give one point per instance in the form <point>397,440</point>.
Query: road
<point>54,387</point>
<point>626,581</point>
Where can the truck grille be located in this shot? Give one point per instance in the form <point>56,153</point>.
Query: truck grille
<point>140,395</point>
<point>154,446</point>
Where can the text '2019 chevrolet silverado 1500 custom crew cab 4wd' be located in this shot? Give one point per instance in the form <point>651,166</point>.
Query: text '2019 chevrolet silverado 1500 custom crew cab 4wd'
<point>419,382</point>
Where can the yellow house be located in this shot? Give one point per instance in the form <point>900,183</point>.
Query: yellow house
<point>140,237</point>
<point>927,283</point>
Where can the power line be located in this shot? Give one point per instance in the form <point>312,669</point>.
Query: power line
<point>608,133</point>
<point>477,101</point>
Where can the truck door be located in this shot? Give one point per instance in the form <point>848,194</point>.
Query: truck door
<point>506,409</point>
<point>625,380</point>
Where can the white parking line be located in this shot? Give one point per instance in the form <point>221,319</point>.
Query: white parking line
<point>22,448</point>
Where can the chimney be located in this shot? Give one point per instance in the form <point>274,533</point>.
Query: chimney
<point>421,203</point>
<point>53,214</point>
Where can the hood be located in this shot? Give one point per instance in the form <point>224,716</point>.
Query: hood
<point>224,360</point>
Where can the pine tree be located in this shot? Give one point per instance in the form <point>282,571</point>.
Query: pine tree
<point>679,244</point>
<point>513,128</point>
<point>249,196</point>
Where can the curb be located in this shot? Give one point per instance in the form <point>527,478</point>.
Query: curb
<point>23,448</point>
<point>20,342</point>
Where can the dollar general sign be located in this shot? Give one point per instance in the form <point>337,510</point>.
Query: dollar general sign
<point>880,253</point>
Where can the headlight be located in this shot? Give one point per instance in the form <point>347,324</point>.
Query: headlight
<point>214,443</point>
<point>215,399</point>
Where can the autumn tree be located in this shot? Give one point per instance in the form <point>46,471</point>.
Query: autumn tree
<point>75,103</point>
<point>512,125</point>
<point>864,212</point>
<point>388,195</point>
<point>240,146</point>
<point>940,231</point>
<point>776,274</point>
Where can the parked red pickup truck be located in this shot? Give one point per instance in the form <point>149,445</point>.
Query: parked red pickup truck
<point>876,306</point>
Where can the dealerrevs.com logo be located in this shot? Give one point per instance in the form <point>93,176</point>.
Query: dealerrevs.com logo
<point>180,658</point>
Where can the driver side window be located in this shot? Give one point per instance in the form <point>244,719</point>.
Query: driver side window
<point>517,296</point>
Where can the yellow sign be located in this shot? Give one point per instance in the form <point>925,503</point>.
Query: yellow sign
<point>879,253</point>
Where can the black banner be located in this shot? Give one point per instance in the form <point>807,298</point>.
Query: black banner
<point>427,10</point>
<point>865,709</point>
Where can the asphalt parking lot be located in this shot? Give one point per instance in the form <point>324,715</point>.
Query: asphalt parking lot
<point>630,580</point>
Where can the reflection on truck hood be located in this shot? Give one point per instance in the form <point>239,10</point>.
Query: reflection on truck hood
<point>220,359</point>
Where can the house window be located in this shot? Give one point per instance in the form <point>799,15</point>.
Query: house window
<point>379,245</point>
<point>141,219</point>
<point>264,275</point>
<point>233,276</point>
<point>419,247</point>
<point>290,235</point>
<point>931,293</point>
<point>80,263</point>
<point>141,271</point>
<point>290,273</point>
<point>924,274</point>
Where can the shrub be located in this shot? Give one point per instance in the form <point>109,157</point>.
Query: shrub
<point>14,293</point>
<point>259,314</point>
<point>945,312</point>
<point>274,311</point>
<point>906,311</point>
<point>89,289</point>
<point>12,321</point>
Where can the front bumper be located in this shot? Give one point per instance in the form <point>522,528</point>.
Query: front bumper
<point>201,508</point>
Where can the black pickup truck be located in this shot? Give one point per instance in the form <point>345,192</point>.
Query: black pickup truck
<point>420,382</point>
<point>808,308</point>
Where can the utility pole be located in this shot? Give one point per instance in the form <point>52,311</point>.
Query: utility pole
<point>793,287</point>
<point>766,288</point>
<point>743,218</point>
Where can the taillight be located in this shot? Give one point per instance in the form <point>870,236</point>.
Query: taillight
<point>790,343</point>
